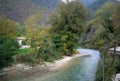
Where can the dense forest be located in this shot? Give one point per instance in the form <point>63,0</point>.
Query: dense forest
<point>54,29</point>
<point>20,10</point>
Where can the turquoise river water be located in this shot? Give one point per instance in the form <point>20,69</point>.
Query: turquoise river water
<point>78,69</point>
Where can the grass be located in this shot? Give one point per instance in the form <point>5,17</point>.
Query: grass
<point>25,51</point>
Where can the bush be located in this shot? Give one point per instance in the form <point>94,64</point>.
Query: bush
<point>8,47</point>
<point>25,51</point>
<point>47,52</point>
<point>26,58</point>
<point>65,43</point>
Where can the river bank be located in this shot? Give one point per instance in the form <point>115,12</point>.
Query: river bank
<point>22,70</point>
<point>58,64</point>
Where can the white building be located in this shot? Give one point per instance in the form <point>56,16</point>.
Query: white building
<point>116,50</point>
<point>116,78</point>
<point>66,1</point>
<point>20,42</point>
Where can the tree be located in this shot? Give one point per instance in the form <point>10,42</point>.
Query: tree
<point>8,46</point>
<point>20,29</point>
<point>67,26</point>
<point>105,14</point>
<point>47,50</point>
<point>69,17</point>
<point>65,43</point>
<point>107,37</point>
<point>116,19</point>
<point>7,27</point>
<point>34,31</point>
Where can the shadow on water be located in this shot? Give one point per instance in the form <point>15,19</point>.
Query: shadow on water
<point>78,69</point>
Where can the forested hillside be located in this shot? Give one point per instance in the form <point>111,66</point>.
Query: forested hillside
<point>87,2</point>
<point>20,10</point>
<point>98,3</point>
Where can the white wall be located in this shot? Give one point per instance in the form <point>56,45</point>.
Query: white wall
<point>65,1</point>
<point>20,42</point>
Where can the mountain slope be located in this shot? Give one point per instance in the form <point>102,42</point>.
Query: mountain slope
<point>98,3</point>
<point>50,4</point>
<point>87,2</point>
<point>16,10</point>
<point>19,10</point>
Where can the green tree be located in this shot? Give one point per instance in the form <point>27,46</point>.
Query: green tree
<point>64,43</point>
<point>105,14</point>
<point>20,29</point>
<point>116,19</point>
<point>69,17</point>
<point>47,51</point>
<point>105,34</point>
<point>8,46</point>
<point>67,26</point>
<point>34,31</point>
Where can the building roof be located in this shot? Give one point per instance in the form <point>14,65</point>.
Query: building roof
<point>66,1</point>
<point>21,38</point>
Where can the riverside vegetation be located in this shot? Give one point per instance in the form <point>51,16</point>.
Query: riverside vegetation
<point>70,26</point>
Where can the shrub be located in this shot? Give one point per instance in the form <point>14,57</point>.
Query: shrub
<point>8,47</point>
<point>65,43</point>
<point>48,51</point>
<point>25,51</point>
<point>26,58</point>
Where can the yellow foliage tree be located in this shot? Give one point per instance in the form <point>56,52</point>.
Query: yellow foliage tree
<point>34,31</point>
<point>7,27</point>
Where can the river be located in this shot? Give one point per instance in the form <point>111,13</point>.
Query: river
<point>78,69</point>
